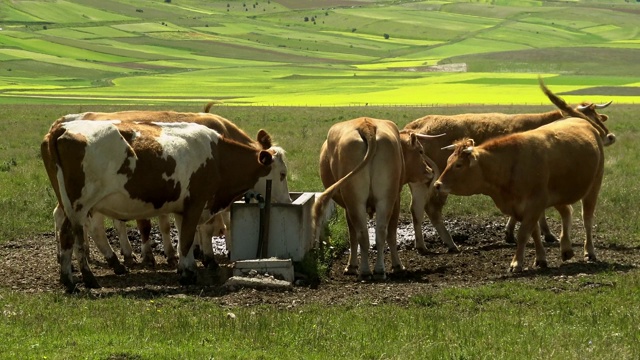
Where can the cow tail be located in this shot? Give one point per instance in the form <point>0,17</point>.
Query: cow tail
<point>560,103</point>
<point>50,144</point>
<point>369,136</point>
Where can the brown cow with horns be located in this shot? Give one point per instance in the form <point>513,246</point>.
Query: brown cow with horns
<point>480,127</point>
<point>524,173</point>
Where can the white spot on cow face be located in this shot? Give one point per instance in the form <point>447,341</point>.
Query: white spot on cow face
<point>278,177</point>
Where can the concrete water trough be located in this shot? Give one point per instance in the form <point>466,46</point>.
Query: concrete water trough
<point>288,234</point>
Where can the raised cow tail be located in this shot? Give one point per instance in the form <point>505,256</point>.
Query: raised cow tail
<point>368,134</point>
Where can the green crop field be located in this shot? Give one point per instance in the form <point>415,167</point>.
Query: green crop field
<point>151,52</point>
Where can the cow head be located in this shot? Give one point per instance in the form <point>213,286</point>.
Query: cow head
<point>462,172</point>
<point>278,177</point>
<point>418,167</point>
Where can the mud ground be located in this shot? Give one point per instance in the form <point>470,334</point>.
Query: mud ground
<point>30,266</point>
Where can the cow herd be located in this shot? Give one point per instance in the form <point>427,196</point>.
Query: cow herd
<point>135,165</point>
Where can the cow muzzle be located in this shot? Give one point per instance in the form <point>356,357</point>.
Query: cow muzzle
<point>440,187</point>
<point>611,138</point>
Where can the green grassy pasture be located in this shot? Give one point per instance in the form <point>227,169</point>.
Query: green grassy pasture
<point>590,317</point>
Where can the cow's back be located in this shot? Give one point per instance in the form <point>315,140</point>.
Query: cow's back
<point>478,126</point>
<point>345,149</point>
<point>562,159</point>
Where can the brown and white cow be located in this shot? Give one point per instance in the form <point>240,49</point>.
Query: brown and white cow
<point>278,175</point>
<point>481,127</point>
<point>364,163</point>
<point>128,170</point>
<point>524,173</point>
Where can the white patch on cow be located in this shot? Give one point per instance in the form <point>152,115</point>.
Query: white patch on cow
<point>189,144</point>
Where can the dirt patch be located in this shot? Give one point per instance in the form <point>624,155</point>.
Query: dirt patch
<point>30,266</point>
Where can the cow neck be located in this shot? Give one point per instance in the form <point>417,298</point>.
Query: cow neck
<point>495,176</point>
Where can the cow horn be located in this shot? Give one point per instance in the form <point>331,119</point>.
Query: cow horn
<point>450,147</point>
<point>602,106</point>
<point>427,136</point>
<point>468,150</point>
<point>582,107</point>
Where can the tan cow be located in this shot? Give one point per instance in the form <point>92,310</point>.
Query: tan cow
<point>139,170</point>
<point>363,164</point>
<point>524,173</point>
<point>481,127</point>
<point>278,175</point>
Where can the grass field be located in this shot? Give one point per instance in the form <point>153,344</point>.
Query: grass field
<point>595,317</point>
<point>323,60</point>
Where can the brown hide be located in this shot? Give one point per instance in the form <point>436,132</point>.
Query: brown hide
<point>524,173</point>
<point>363,167</point>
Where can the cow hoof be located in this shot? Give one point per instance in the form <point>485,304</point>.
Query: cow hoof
<point>590,257</point>
<point>187,277</point>
<point>542,264</point>
<point>198,254</point>
<point>172,262</point>
<point>89,280</point>
<point>148,260</point>
<point>365,276</point>
<point>510,239</point>
<point>351,270</point>
<point>379,276</point>
<point>454,250</point>
<point>115,264</point>
<point>130,261</point>
<point>68,283</point>
<point>566,255</point>
<point>210,262</point>
<point>422,251</point>
<point>399,269</point>
<point>515,268</point>
<point>550,239</point>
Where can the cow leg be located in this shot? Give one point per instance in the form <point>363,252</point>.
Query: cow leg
<point>125,246</point>
<point>352,266</point>
<point>165,231</point>
<point>226,219</point>
<point>524,232</point>
<point>58,219</point>
<point>204,233</point>
<point>566,252</point>
<point>146,249</point>
<point>419,194</point>
<point>510,231</point>
<point>588,210</point>
<point>97,231</point>
<point>549,238</point>
<point>382,230</point>
<point>72,241</point>
<point>541,254</point>
<point>434,212</point>
<point>187,224</point>
<point>392,238</point>
<point>361,235</point>
<point>67,239</point>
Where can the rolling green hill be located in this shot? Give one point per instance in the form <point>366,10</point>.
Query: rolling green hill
<point>330,52</point>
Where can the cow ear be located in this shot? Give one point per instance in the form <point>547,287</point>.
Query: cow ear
<point>603,117</point>
<point>266,158</point>
<point>414,139</point>
<point>264,139</point>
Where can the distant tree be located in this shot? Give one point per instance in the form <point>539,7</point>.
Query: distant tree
<point>353,30</point>
<point>167,1</point>
<point>44,27</point>
<point>306,18</point>
<point>386,36</point>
